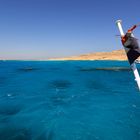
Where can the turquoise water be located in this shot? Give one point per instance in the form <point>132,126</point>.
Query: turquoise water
<point>68,100</point>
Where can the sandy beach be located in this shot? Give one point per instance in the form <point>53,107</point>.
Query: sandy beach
<point>114,55</point>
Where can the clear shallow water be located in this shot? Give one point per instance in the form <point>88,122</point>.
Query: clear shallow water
<point>66,100</point>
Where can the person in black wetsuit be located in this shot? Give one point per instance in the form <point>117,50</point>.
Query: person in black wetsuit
<point>131,45</point>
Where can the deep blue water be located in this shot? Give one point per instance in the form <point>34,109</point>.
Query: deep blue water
<point>68,100</point>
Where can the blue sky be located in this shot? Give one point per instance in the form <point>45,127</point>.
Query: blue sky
<point>39,29</point>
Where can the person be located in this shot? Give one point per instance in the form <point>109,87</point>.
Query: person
<point>131,45</point>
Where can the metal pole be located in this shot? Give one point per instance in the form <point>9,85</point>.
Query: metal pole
<point>118,22</point>
<point>133,66</point>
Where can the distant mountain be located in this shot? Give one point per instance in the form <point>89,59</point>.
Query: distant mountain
<point>114,55</point>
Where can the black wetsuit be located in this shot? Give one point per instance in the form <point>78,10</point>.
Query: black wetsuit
<point>134,49</point>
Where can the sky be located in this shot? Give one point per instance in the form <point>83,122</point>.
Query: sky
<point>41,29</point>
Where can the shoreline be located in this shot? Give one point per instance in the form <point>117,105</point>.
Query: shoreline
<point>60,60</point>
<point>116,55</point>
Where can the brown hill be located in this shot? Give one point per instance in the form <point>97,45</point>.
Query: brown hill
<point>114,55</point>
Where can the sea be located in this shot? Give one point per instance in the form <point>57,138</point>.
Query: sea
<point>68,100</point>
